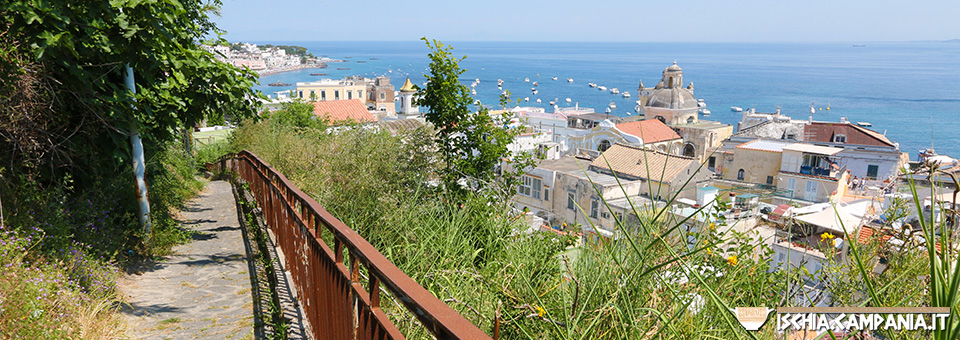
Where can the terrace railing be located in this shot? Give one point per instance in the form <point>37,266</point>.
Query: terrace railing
<point>329,287</point>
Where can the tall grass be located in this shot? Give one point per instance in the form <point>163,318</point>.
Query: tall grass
<point>664,277</point>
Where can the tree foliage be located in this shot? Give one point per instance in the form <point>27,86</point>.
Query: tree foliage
<point>473,143</point>
<point>72,55</point>
<point>297,113</point>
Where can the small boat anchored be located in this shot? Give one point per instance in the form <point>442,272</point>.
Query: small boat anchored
<point>554,78</point>
<point>615,91</point>
<point>279,84</point>
<point>626,94</point>
<point>569,80</point>
<point>736,109</point>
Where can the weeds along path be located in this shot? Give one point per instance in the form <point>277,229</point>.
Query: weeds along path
<point>203,291</point>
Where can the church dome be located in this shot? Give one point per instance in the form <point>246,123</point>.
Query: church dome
<point>675,98</point>
<point>673,68</point>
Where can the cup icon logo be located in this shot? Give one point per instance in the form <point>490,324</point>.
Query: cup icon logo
<point>752,318</point>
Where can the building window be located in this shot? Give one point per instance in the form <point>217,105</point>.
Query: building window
<point>525,183</point>
<point>349,95</point>
<point>594,207</point>
<point>605,215</point>
<point>359,94</point>
<point>323,95</point>
<point>872,171</point>
<point>571,203</point>
<point>840,139</point>
<point>604,145</point>
<point>336,95</point>
<point>740,175</point>
<point>546,193</point>
<point>769,179</point>
<point>537,186</point>
<point>712,163</point>
<point>383,95</point>
<point>300,93</point>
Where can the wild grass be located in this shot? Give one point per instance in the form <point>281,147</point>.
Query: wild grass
<point>62,247</point>
<point>665,276</point>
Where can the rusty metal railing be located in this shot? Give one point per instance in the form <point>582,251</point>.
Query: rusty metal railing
<point>333,298</point>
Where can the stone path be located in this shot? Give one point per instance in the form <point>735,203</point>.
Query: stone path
<point>203,291</point>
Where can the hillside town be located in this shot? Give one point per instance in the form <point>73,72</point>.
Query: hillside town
<point>264,60</point>
<point>791,184</point>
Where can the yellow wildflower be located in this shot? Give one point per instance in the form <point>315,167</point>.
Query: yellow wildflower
<point>732,260</point>
<point>713,226</point>
<point>709,251</point>
<point>826,236</point>
<point>540,311</point>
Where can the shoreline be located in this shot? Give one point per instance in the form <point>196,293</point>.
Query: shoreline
<point>288,69</point>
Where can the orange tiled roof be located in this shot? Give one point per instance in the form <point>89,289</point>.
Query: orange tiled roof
<point>343,110</point>
<point>650,130</point>
<point>866,233</point>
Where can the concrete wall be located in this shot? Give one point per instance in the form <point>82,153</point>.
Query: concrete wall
<point>756,165</point>
<point>824,187</point>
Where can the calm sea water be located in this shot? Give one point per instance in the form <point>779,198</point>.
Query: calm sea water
<point>910,91</point>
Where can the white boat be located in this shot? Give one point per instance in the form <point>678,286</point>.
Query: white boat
<point>592,84</point>
<point>569,80</point>
<point>535,91</point>
<point>601,88</point>
<point>536,84</point>
<point>626,94</point>
<point>736,109</point>
<point>526,80</point>
<point>526,99</point>
<point>613,105</point>
<point>552,103</point>
<point>473,92</point>
<point>505,94</point>
<point>615,90</point>
<point>608,110</point>
<point>554,78</point>
<point>473,85</point>
<point>568,100</point>
<point>864,124</point>
<point>499,82</point>
<point>700,103</point>
<point>705,111</point>
<point>539,101</point>
<point>477,80</point>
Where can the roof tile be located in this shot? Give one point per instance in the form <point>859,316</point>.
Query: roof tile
<point>642,163</point>
<point>650,130</point>
<point>343,110</point>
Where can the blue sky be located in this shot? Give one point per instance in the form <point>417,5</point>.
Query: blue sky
<point>585,20</point>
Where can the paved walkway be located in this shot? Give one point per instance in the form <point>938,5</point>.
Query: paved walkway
<point>203,291</point>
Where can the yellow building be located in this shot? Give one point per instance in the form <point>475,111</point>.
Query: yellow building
<point>756,161</point>
<point>330,89</point>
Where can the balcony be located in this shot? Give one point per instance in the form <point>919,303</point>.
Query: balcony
<point>818,171</point>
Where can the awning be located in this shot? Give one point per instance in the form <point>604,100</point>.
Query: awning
<point>810,148</point>
<point>779,211</point>
<point>833,220</point>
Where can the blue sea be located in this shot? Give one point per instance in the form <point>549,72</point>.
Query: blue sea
<point>909,91</point>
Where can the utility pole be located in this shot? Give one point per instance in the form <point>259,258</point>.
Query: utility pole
<point>139,165</point>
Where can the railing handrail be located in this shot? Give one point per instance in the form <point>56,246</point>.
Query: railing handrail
<point>433,314</point>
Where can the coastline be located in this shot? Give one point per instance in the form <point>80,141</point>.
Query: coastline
<point>288,69</point>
